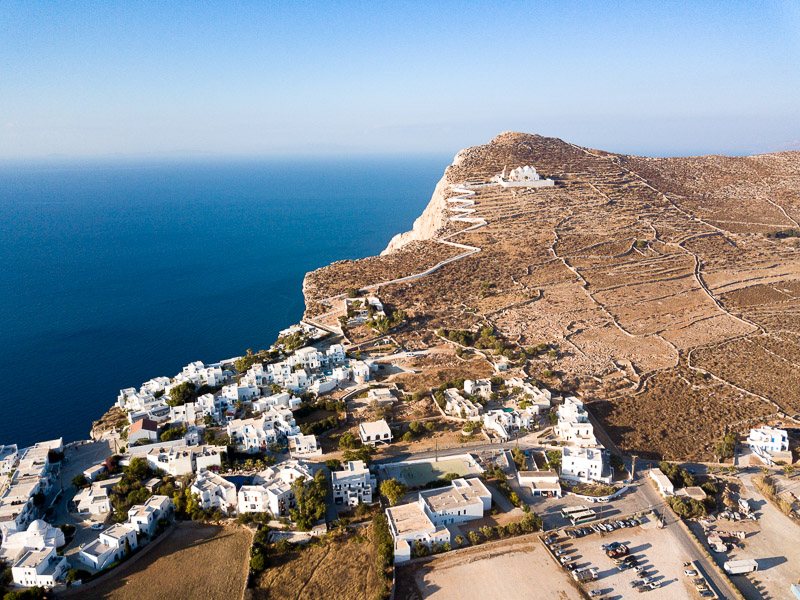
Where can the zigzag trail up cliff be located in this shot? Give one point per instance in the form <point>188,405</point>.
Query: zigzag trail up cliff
<point>459,204</point>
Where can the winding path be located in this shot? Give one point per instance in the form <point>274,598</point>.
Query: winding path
<point>461,204</point>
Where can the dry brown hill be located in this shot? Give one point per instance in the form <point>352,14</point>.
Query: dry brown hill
<point>670,308</point>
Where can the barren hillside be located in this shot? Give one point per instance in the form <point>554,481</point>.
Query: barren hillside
<point>673,306</point>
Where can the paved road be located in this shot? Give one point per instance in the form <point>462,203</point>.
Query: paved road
<point>687,543</point>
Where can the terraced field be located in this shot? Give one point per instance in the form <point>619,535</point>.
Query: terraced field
<point>641,274</point>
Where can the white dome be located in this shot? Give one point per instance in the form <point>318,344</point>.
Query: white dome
<point>37,526</point>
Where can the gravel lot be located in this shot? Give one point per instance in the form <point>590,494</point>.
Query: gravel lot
<point>772,541</point>
<point>513,571</point>
<point>653,548</point>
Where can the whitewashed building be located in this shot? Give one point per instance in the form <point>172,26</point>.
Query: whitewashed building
<point>271,490</point>
<point>581,463</point>
<point>143,518</point>
<point>479,387</point>
<point>574,426</point>
<point>376,432</point>
<point>768,439</point>
<point>458,406</point>
<point>664,485</point>
<point>110,546</point>
<point>354,484</point>
<point>215,491</point>
<point>304,445</point>
<point>256,434</point>
<point>426,519</point>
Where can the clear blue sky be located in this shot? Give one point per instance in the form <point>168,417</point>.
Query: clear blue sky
<point>254,78</point>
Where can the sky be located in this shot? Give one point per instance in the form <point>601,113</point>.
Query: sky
<point>100,79</point>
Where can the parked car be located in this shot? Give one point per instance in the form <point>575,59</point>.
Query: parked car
<point>97,526</point>
<point>689,572</point>
<point>636,583</point>
<point>623,565</point>
<point>595,593</point>
<point>647,579</point>
<point>707,594</point>
<point>639,569</point>
<point>654,584</point>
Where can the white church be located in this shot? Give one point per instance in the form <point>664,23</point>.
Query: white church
<point>522,176</point>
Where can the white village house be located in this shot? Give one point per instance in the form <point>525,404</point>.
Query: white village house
<point>458,406</point>
<point>426,520</point>
<point>110,546</point>
<point>271,490</point>
<point>354,484</point>
<point>770,444</point>
<point>585,464</point>
<point>215,491</point>
<point>31,555</point>
<point>375,432</point>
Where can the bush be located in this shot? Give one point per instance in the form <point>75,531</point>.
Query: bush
<point>76,575</point>
<point>416,427</point>
<point>430,426</point>
<point>79,481</point>
<point>348,440</point>
<point>726,447</point>
<point>258,562</point>
<point>334,464</point>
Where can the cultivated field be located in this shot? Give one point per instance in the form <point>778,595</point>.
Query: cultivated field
<point>337,567</point>
<point>194,561</point>
<point>513,571</point>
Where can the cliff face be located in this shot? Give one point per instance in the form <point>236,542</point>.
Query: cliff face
<point>427,224</point>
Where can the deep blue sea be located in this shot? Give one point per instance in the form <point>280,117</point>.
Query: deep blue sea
<point>115,272</point>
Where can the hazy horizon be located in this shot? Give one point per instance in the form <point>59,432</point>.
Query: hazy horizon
<point>247,80</point>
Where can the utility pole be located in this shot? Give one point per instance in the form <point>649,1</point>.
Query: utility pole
<point>437,451</point>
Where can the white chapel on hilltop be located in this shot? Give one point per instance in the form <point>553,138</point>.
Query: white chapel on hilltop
<point>522,176</point>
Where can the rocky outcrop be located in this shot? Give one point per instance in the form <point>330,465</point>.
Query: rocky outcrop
<point>428,223</point>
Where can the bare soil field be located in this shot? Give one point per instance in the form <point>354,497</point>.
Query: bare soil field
<point>512,571</point>
<point>626,265</point>
<point>677,416</point>
<point>336,567</point>
<point>194,561</point>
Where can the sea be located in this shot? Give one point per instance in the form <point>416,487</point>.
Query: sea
<point>116,271</point>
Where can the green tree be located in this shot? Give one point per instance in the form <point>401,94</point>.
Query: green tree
<point>348,440</point>
<point>416,427</point>
<point>181,394</point>
<point>393,490</point>
<point>310,500</point>
<point>80,481</point>
<point>362,454</point>
<point>137,469</point>
<point>554,459</point>
<point>474,538</point>
<point>334,464</point>
<point>519,458</point>
<point>726,447</point>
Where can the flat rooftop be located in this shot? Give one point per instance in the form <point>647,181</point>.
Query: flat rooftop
<point>408,518</point>
<point>462,492</point>
<point>31,558</point>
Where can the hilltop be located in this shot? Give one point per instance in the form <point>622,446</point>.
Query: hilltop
<point>663,291</point>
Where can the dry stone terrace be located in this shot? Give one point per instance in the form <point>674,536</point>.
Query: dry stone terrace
<point>629,267</point>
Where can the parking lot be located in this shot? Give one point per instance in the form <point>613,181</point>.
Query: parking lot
<point>653,550</point>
